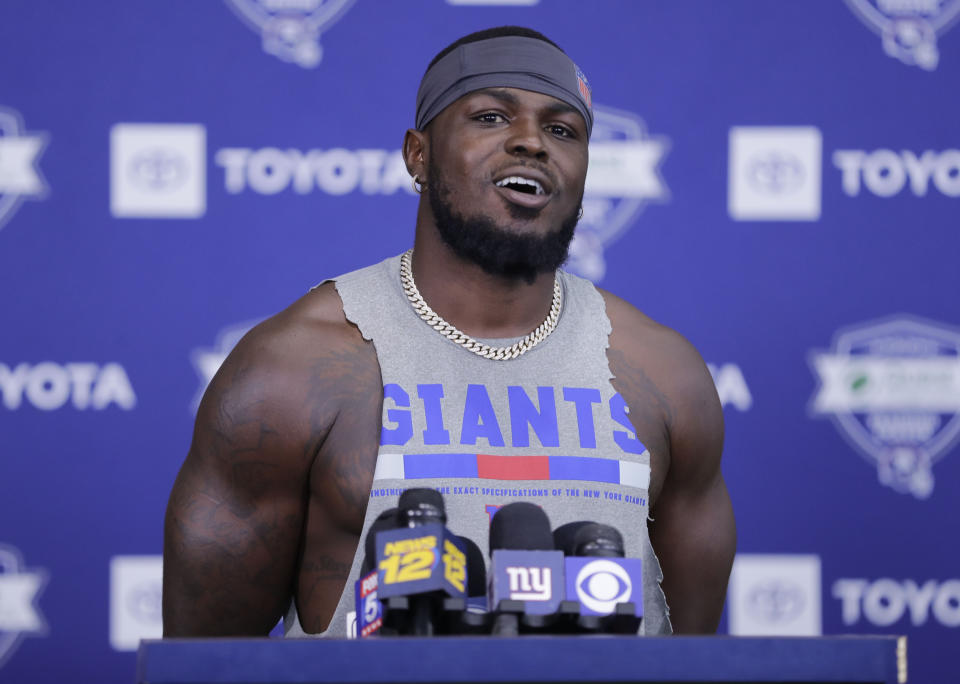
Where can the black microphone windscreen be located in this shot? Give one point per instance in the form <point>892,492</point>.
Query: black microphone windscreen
<point>476,569</point>
<point>595,539</point>
<point>421,505</point>
<point>563,536</point>
<point>385,521</point>
<point>521,526</point>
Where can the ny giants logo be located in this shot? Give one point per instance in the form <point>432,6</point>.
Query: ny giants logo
<point>909,28</point>
<point>291,28</point>
<point>530,584</point>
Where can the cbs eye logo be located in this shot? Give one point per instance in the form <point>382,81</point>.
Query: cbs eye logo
<point>602,584</point>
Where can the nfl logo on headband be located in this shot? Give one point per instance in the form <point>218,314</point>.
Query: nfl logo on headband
<point>583,86</point>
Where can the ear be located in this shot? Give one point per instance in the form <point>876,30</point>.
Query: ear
<point>415,152</point>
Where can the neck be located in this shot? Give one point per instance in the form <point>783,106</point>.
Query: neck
<point>474,301</point>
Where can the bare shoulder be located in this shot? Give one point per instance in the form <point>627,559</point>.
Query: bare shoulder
<point>660,370</point>
<point>313,329</point>
<point>286,371</point>
<point>315,317</point>
<point>650,344</point>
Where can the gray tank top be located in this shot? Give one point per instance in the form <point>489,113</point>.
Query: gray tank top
<point>547,427</point>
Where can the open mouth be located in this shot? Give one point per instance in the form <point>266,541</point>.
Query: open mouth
<point>527,186</point>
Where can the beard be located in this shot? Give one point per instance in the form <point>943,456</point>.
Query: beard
<point>497,250</point>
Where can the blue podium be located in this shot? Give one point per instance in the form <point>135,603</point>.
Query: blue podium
<point>862,659</point>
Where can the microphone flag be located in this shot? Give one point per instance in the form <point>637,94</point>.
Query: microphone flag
<point>421,559</point>
<point>599,583</point>
<point>368,607</point>
<point>534,577</point>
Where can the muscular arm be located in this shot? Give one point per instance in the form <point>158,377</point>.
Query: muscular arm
<point>234,522</point>
<point>692,528</point>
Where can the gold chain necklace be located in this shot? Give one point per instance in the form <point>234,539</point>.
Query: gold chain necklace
<point>433,319</point>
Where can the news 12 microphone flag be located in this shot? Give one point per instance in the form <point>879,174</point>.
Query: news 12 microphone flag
<point>780,182</point>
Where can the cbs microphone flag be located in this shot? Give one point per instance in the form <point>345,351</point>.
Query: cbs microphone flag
<point>492,467</point>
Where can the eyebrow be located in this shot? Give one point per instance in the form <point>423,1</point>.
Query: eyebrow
<point>505,96</point>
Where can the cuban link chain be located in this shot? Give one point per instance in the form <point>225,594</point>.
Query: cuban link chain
<point>433,319</point>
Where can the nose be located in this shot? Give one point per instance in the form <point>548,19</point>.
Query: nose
<point>526,138</point>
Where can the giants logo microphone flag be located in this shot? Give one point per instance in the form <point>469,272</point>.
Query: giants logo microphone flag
<point>534,577</point>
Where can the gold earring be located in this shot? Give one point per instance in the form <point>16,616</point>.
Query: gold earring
<point>418,185</point>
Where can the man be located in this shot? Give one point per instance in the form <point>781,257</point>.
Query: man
<point>472,365</point>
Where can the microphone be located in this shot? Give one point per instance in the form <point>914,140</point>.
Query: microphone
<point>469,615</point>
<point>584,538</point>
<point>526,569</point>
<point>476,571</point>
<point>563,536</point>
<point>419,562</point>
<point>607,587</point>
<point>520,526</point>
<point>387,520</point>
<point>421,506</point>
<point>369,609</point>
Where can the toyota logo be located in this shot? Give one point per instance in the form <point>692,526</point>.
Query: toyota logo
<point>143,602</point>
<point>775,172</point>
<point>776,600</point>
<point>158,169</point>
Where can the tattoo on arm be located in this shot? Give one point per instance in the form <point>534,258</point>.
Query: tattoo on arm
<point>632,383</point>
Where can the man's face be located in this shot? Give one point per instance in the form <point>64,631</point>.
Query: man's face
<point>505,179</point>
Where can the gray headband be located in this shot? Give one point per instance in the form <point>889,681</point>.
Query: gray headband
<point>504,62</point>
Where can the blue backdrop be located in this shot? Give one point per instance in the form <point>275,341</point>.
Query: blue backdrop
<point>780,182</point>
